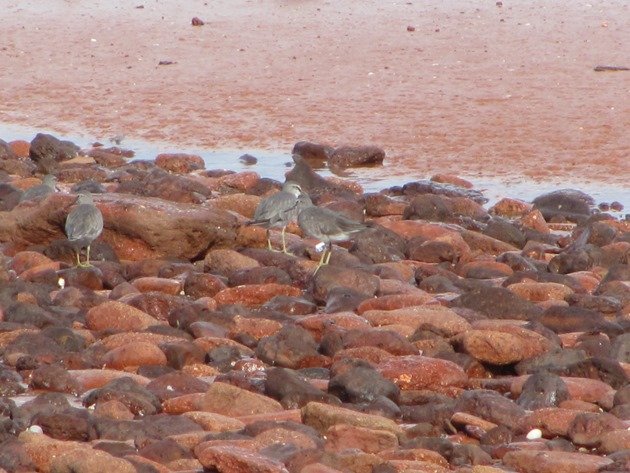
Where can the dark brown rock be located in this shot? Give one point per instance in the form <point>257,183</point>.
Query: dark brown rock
<point>351,156</point>
<point>289,347</point>
<point>293,391</point>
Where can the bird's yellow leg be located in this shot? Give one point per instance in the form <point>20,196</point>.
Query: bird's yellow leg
<point>284,242</point>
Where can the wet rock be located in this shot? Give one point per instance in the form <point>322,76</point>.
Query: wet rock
<point>290,305</point>
<point>323,416</point>
<point>198,285</point>
<point>509,344</point>
<point>587,428</point>
<point>569,204</point>
<point>259,275</point>
<point>379,245</point>
<point>254,295</point>
<point>484,270</point>
<point>497,302</point>
<point>69,424</point>
<point>180,163</point>
<point>137,398</point>
<point>46,151</point>
<point>342,299</point>
<point>431,207</point>
<point>118,316</point>
<point>491,406</point>
<point>421,372</point>
<point>351,156</point>
<point>543,389</point>
<point>362,384</point>
<point>194,228</point>
<point>329,277</point>
<point>292,390</point>
<point>341,437</point>
<point>448,190</point>
<point>235,459</point>
<point>133,355</point>
<point>505,231</point>
<point>290,347</point>
<point>394,343</point>
<point>313,153</point>
<point>575,319</point>
<point>54,378</point>
<point>232,401</point>
<point>226,261</point>
<point>380,205</point>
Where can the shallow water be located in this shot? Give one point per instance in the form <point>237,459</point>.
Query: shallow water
<point>275,163</point>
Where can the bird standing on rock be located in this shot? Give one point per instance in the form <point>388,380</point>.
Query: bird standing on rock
<point>48,185</point>
<point>84,224</point>
<point>279,209</point>
<point>328,226</point>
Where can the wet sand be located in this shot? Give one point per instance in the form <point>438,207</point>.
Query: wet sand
<point>476,89</point>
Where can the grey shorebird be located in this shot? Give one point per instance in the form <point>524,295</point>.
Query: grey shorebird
<point>48,186</point>
<point>279,209</point>
<point>84,224</point>
<point>327,226</point>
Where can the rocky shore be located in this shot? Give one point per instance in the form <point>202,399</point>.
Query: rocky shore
<point>446,337</point>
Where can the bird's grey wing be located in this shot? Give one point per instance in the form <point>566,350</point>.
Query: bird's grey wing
<point>272,208</point>
<point>84,222</point>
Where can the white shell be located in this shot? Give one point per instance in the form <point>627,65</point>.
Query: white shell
<point>534,434</point>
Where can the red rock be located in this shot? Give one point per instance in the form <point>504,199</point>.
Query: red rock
<point>540,291</point>
<point>179,163</point>
<point>43,450</point>
<point>416,454</point>
<point>485,244</point>
<point>118,316</point>
<point>587,428</point>
<point>553,421</point>
<point>28,259</point>
<point>213,422</point>
<point>588,280</point>
<point>317,323</point>
<point>395,301</point>
<point>507,207</point>
<point>283,436</point>
<point>452,179</point>
<point>226,261</point>
<point>421,372</point>
<point>232,401</point>
<point>403,466</point>
<point>503,347</point>
<point>584,389</point>
<point>197,285</point>
<point>133,355</point>
<point>372,355</point>
<point>113,409</point>
<point>535,221</point>
<point>323,416</point>
<point>21,148</point>
<point>182,404</point>
<point>526,461</point>
<point>340,437</point>
<point>210,343</point>
<point>119,339</point>
<point>441,318</point>
<point>485,270</point>
<point>244,204</point>
<point>614,441</point>
<point>90,461</point>
<point>254,327</point>
<point>45,271</point>
<point>96,378</point>
<point>254,295</point>
<point>236,460</point>
<point>166,286</point>
<point>241,181</point>
<point>292,415</point>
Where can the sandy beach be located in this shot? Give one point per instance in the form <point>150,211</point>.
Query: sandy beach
<point>496,89</point>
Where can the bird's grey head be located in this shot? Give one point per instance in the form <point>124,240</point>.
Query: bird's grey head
<point>293,188</point>
<point>85,197</point>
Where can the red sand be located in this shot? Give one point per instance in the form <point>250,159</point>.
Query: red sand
<point>476,88</point>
